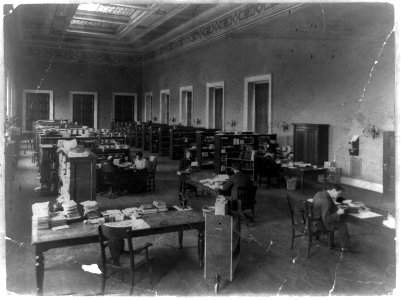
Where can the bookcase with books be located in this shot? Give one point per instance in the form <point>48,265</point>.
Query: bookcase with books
<point>155,137</point>
<point>241,148</point>
<point>138,135</point>
<point>181,138</point>
<point>205,148</point>
<point>164,141</point>
<point>48,168</point>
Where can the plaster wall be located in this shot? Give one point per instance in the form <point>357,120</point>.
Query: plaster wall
<point>63,78</point>
<point>316,78</point>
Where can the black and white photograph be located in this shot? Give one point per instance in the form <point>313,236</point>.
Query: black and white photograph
<point>199,148</point>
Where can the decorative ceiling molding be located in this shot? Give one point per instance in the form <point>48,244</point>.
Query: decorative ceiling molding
<point>235,20</point>
<point>78,56</point>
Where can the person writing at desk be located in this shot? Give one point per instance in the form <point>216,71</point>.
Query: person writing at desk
<point>140,162</point>
<point>238,179</point>
<point>185,163</point>
<point>325,207</point>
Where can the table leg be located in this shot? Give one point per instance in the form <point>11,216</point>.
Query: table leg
<point>201,246</point>
<point>40,270</point>
<point>325,180</point>
<point>180,235</point>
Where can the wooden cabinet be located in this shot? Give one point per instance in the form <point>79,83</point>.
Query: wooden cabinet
<point>222,246</point>
<point>311,143</point>
<point>182,138</point>
<point>205,145</point>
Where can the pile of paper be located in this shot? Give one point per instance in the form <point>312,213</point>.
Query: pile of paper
<point>113,215</point>
<point>40,215</point>
<point>57,219</point>
<point>91,209</point>
<point>130,211</point>
<point>147,209</point>
<point>160,205</point>
<point>70,209</point>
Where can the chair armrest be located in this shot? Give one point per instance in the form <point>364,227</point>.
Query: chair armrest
<point>144,247</point>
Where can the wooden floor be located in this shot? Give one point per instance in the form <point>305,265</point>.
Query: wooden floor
<point>267,265</point>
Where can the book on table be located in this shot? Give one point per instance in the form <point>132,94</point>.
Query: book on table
<point>148,208</point>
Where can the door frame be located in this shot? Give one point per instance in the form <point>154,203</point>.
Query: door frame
<point>266,78</point>
<point>164,92</point>
<point>95,108</point>
<point>386,136</point>
<point>214,85</point>
<point>145,105</point>
<point>113,104</point>
<point>189,88</point>
<point>51,104</point>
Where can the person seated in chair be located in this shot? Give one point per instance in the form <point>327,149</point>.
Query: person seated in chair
<point>325,207</point>
<point>273,169</point>
<point>140,162</point>
<point>185,167</point>
<point>238,179</point>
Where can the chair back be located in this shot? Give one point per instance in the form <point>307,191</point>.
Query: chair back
<point>152,167</point>
<point>108,172</point>
<point>247,196</point>
<point>315,223</point>
<point>296,208</point>
<point>113,237</point>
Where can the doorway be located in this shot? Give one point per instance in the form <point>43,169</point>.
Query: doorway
<point>165,106</point>
<point>124,107</point>
<point>84,108</point>
<point>37,105</point>
<point>186,105</point>
<point>389,163</point>
<point>215,105</point>
<point>257,104</point>
<point>148,107</point>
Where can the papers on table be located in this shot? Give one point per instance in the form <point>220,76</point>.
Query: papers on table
<point>40,215</point>
<point>390,222</point>
<point>91,209</point>
<point>182,209</point>
<point>135,224</point>
<point>70,209</point>
<point>57,219</point>
<point>365,214</point>
<point>113,213</point>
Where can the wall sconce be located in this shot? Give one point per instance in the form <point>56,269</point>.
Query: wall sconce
<point>371,131</point>
<point>282,125</point>
<point>155,119</point>
<point>198,121</point>
<point>173,120</point>
<point>232,124</point>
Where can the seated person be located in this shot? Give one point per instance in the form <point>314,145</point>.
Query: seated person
<point>134,181</point>
<point>272,168</point>
<point>324,206</point>
<point>140,161</point>
<point>185,163</point>
<point>238,179</point>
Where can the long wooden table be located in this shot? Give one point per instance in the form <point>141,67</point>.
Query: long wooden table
<point>79,233</point>
<point>194,178</point>
<point>302,171</point>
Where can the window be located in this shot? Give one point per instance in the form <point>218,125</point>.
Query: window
<point>186,105</point>
<point>165,106</point>
<point>215,105</point>
<point>36,105</point>
<point>257,104</point>
<point>148,107</point>
<point>124,107</point>
<point>84,108</point>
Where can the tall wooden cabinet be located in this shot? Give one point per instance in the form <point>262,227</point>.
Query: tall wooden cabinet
<point>311,143</point>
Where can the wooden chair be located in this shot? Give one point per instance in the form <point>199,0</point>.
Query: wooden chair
<point>247,197</point>
<point>150,180</point>
<point>304,223</point>
<point>109,180</point>
<point>120,260</point>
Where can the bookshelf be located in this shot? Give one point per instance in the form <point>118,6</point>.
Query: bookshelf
<point>241,148</point>
<point>164,141</point>
<point>146,136</point>
<point>48,169</point>
<point>205,148</point>
<point>138,135</point>
<point>182,138</point>
<point>155,137</point>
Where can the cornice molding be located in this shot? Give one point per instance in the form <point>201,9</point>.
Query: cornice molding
<point>79,56</point>
<point>220,27</point>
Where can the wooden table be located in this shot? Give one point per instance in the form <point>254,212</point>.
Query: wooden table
<point>79,233</point>
<point>194,178</point>
<point>301,172</point>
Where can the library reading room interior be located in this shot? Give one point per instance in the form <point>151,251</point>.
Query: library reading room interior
<point>199,149</point>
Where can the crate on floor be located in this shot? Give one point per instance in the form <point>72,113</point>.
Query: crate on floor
<point>291,184</point>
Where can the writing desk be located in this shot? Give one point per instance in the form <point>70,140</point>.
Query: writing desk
<point>302,171</point>
<point>79,234</point>
<point>194,178</point>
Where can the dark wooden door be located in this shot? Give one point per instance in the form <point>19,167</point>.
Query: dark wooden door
<point>389,163</point>
<point>37,108</point>
<point>124,108</point>
<point>261,107</point>
<point>83,109</point>
<point>189,109</point>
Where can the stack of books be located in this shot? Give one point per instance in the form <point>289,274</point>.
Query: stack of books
<point>40,216</point>
<point>160,205</point>
<point>147,209</point>
<point>57,219</point>
<point>71,210</point>
<point>113,215</point>
<point>91,209</point>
